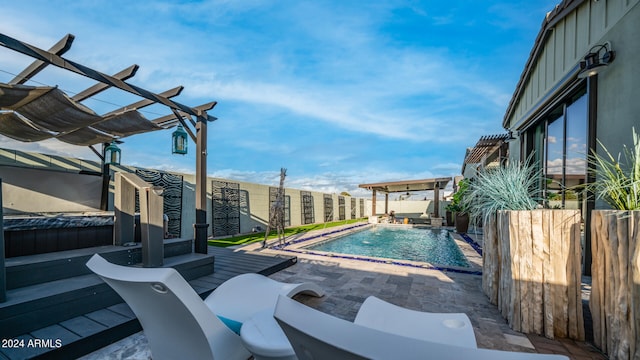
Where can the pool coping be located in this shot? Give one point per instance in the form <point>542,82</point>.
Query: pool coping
<point>470,249</point>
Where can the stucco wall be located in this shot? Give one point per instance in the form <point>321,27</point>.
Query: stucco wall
<point>35,191</point>
<point>409,208</point>
<point>39,183</point>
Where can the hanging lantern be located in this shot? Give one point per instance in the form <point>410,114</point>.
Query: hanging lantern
<point>179,143</point>
<point>112,154</point>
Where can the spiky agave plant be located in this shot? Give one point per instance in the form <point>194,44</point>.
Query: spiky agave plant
<point>617,182</point>
<point>512,187</point>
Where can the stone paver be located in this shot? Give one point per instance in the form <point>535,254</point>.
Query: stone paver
<point>348,283</point>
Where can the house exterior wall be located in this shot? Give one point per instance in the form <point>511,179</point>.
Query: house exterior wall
<point>565,44</point>
<point>619,84</point>
<point>550,82</point>
<point>555,70</point>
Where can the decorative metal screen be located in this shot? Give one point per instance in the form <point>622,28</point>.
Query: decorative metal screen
<point>328,208</point>
<point>226,208</point>
<point>353,208</point>
<point>361,207</point>
<point>341,210</point>
<point>273,194</point>
<point>306,205</point>
<point>172,196</point>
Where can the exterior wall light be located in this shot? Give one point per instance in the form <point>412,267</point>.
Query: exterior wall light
<point>179,141</point>
<point>112,154</point>
<point>598,58</point>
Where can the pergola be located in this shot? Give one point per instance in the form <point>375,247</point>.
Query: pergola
<point>489,148</point>
<point>435,185</point>
<point>35,113</point>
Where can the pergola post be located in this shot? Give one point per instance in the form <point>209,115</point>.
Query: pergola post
<point>373,203</point>
<point>201,225</point>
<point>386,203</point>
<point>436,200</point>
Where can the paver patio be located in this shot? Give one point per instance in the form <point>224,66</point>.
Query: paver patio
<point>349,282</point>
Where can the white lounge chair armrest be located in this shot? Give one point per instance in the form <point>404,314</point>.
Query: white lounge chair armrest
<point>253,291</point>
<point>316,335</point>
<point>446,328</point>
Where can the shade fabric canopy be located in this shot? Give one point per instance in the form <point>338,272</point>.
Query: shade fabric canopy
<point>35,113</point>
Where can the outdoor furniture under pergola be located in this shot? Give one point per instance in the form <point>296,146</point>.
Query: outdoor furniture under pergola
<point>403,186</point>
<point>35,113</point>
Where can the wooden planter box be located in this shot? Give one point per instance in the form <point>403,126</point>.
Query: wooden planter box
<point>532,272</point>
<point>615,275</point>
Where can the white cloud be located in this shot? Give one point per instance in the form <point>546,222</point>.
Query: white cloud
<point>334,65</point>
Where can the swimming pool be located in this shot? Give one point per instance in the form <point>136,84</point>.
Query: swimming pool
<point>399,243</point>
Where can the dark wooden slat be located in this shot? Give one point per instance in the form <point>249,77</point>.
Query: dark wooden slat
<point>107,317</point>
<point>56,332</point>
<point>99,328</point>
<point>83,326</point>
<point>23,352</point>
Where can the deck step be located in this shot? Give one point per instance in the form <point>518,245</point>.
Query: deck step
<point>85,333</point>
<point>40,305</point>
<point>42,268</point>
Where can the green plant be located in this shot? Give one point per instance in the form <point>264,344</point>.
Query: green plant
<point>456,205</point>
<point>512,187</point>
<point>259,236</point>
<point>619,189</point>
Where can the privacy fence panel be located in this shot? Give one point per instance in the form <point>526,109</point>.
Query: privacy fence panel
<point>532,271</point>
<point>615,276</point>
<point>226,208</point>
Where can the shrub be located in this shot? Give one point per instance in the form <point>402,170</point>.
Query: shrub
<point>617,181</point>
<point>512,187</point>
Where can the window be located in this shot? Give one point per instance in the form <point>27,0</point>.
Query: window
<point>558,144</point>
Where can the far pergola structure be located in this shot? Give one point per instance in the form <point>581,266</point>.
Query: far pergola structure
<point>435,185</point>
<point>488,149</point>
<point>28,116</point>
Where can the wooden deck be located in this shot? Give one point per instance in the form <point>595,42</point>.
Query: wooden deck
<point>83,334</point>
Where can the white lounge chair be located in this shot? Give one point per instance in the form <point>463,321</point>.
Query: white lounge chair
<point>177,322</point>
<point>266,341</point>
<point>445,328</point>
<point>316,335</point>
<point>256,292</point>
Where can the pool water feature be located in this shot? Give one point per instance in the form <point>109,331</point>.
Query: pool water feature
<point>415,244</point>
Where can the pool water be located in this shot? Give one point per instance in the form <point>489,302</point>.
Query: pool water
<point>416,244</point>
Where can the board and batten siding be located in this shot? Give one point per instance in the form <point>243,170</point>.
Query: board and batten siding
<point>564,45</point>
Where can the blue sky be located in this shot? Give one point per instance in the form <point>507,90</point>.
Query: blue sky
<point>338,92</point>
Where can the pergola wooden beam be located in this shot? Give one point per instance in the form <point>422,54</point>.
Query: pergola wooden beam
<point>35,67</point>
<point>53,59</point>
<point>99,87</point>
<point>146,102</point>
<point>171,119</point>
